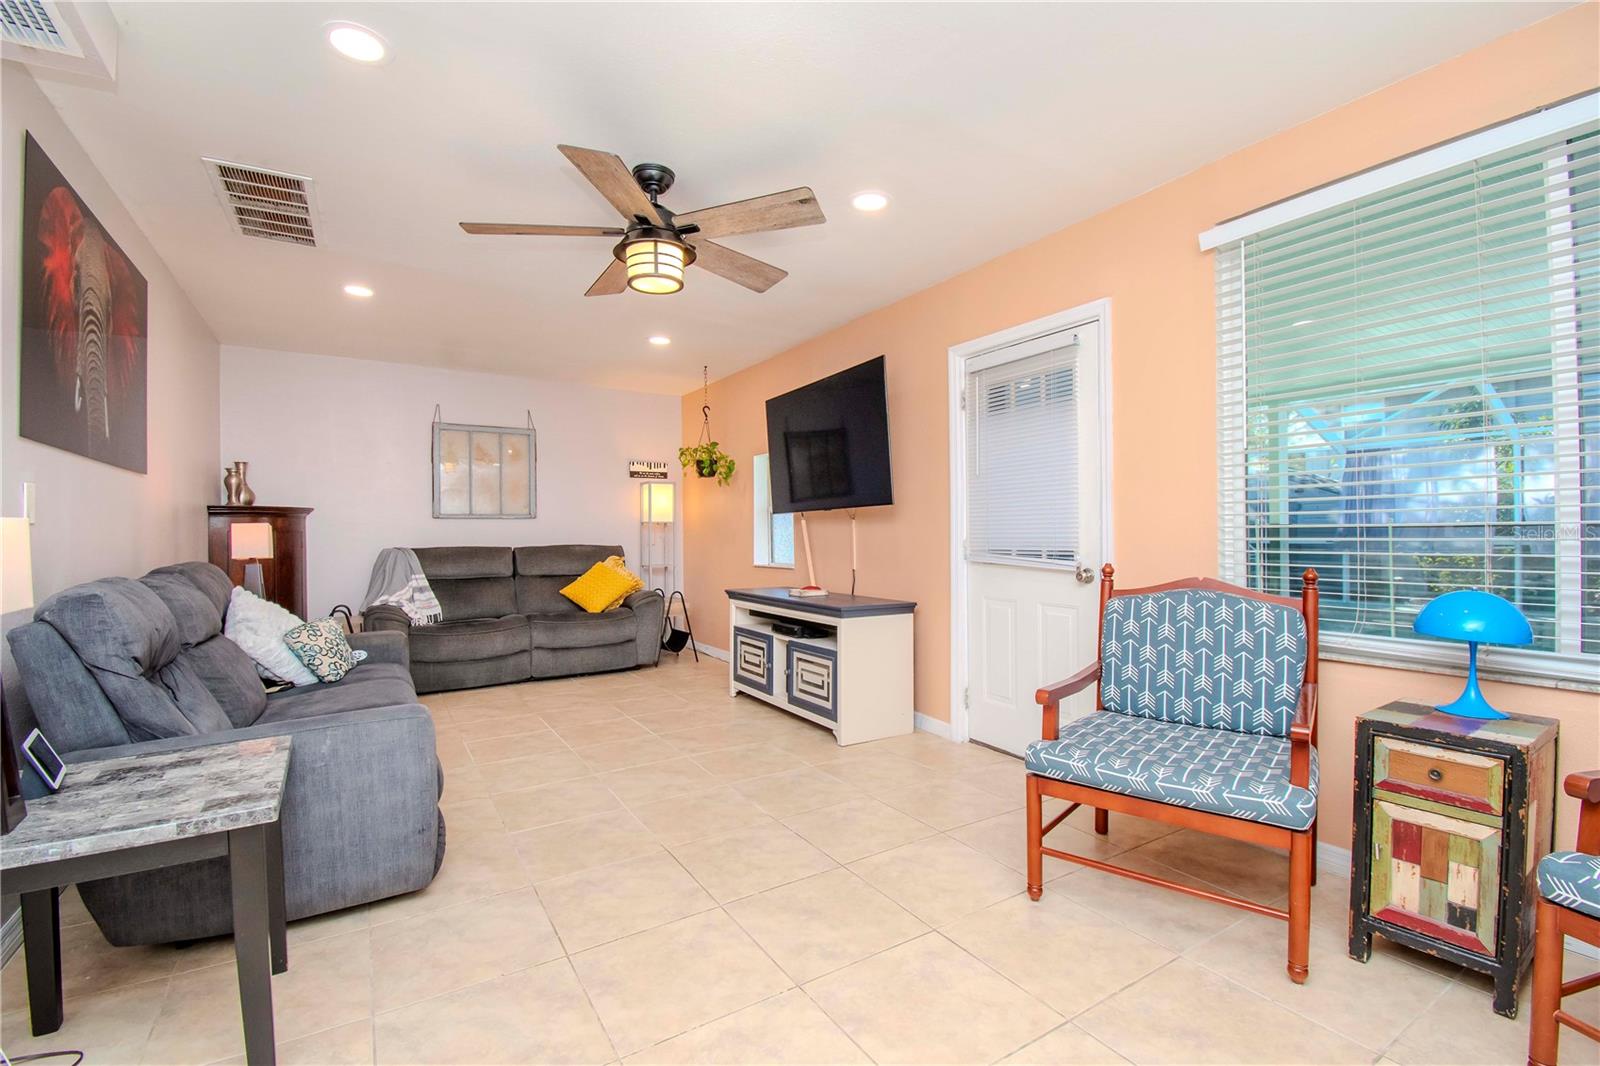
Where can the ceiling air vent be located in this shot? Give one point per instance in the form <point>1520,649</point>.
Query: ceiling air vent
<point>36,24</point>
<point>264,203</point>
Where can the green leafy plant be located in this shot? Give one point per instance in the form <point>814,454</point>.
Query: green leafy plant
<point>708,460</point>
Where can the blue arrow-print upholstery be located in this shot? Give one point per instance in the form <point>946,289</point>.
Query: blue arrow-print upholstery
<point>1571,879</point>
<point>1241,775</point>
<point>1203,658</point>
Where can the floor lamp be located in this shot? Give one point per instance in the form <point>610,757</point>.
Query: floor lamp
<point>655,535</point>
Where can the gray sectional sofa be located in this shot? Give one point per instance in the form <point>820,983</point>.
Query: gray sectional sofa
<point>505,619</point>
<point>119,667</point>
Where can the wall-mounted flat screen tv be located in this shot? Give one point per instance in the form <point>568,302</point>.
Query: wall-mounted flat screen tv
<point>828,443</point>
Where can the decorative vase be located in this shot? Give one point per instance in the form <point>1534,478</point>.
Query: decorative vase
<point>230,484</point>
<point>247,495</point>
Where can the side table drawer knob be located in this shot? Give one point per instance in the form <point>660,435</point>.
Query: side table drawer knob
<point>1435,774</point>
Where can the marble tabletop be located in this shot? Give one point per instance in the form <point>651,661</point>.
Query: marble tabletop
<point>150,799</point>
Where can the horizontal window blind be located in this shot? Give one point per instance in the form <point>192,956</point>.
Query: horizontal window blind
<point>1409,398</point>
<point>1022,459</point>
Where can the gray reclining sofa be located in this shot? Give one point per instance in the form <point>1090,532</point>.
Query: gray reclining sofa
<point>505,619</point>
<point>119,667</point>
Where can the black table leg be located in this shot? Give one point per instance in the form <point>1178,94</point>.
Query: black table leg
<point>250,870</point>
<point>41,935</point>
<point>275,902</point>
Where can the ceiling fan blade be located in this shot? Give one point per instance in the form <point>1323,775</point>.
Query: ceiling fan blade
<point>518,229</point>
<point>611,281</point>
<point>615,181</point>
<point>779,210</point>
<point>735,266</point>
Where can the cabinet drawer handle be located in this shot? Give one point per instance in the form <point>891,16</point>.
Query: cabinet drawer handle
<point>1435,774</point>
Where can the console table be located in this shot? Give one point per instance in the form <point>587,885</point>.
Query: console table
<point>840,661</point>
<point>145,812</point>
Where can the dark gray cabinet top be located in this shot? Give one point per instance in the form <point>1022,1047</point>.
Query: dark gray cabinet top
<point>833,605</point>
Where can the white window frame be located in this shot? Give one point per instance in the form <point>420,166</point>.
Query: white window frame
<point>762,512</point>
<point>1565,667</point>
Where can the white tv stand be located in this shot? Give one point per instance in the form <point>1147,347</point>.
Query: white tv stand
<point>852,674</point>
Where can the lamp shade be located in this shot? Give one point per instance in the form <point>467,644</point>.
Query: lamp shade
<point>656,502</point>
<point>250,540</point>
<point>16,565</point>
<point>1472,614</point>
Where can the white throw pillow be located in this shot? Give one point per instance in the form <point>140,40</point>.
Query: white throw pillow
<point>258,626</point>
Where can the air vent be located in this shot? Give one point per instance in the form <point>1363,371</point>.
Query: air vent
<point>264,203</point>
<point>36,24</point>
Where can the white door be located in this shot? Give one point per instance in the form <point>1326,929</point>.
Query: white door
<point>1033,492</point>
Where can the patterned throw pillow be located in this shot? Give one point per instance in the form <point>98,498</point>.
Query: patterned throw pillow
<point>602,587</point>
<point>321,645</point>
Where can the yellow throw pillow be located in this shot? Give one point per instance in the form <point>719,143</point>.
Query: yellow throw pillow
<point>602,587</point>
<point>616,562</point>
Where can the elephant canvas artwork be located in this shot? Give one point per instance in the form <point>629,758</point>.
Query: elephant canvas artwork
<point>85,315</point>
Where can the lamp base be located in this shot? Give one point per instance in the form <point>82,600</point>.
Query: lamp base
<point>1471,704</point>
<point>254,579</point>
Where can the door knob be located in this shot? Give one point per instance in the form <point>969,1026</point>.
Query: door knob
<point>1085,574</point>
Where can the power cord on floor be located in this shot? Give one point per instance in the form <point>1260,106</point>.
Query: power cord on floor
<point>40,1055</point>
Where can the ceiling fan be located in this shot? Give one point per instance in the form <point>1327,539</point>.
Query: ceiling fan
<point>657,245</point>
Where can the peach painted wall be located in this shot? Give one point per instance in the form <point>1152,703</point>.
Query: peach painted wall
<point>1144,256</point>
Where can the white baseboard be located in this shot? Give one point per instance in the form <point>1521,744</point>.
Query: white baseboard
<point>715,653</point>
<point>10,936</point>
<point>938,727</point>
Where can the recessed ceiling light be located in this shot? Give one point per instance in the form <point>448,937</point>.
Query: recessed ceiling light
<point>354,41</point>
<point>869,201</point>
<point>361,292</point>
<point>660,341</point>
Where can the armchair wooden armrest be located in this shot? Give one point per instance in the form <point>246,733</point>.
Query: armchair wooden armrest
<point>1050,697</point>
<point>1585,787</point>
<point>1303,737</point>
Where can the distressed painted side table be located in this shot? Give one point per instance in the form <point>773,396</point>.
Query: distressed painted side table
<point>1451,817</point>
<point>144,812</point>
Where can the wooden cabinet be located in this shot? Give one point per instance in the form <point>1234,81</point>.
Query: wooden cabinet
<point>1451,816</point>
<point>284,575</point>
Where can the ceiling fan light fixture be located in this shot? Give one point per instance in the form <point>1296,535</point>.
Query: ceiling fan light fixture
<point>655,266</point>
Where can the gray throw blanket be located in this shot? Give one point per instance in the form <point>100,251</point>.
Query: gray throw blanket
<point>397,578</point>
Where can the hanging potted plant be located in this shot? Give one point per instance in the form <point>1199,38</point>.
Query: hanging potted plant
<point>707,458</point>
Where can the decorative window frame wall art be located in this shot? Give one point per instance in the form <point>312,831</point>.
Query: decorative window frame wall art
<point>485,471</point>
<point>85,326</point>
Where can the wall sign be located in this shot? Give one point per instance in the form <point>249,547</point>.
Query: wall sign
<point>648,469</point>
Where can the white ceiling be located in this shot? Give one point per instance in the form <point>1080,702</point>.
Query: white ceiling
<point>991,125</point>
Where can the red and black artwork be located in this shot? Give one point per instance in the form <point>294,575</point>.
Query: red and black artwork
<point>85,314</point>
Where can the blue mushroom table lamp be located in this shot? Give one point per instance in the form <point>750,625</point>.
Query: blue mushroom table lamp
<point>1476,617</point>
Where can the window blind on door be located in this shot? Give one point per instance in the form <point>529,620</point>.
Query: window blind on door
<point>1022,459</point>
<point>1409,400</point>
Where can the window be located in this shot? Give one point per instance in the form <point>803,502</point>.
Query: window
<point>1021,406</point>
<point>774,533</point>
<point>1409,401</point>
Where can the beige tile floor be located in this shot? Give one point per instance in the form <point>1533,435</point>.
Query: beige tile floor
<point>642,869</point>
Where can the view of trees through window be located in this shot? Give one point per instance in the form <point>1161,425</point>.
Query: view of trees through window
<point>1422,397</point>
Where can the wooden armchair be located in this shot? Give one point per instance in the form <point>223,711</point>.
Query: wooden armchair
<point>1206,718</point>
<point>1569,905</point>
